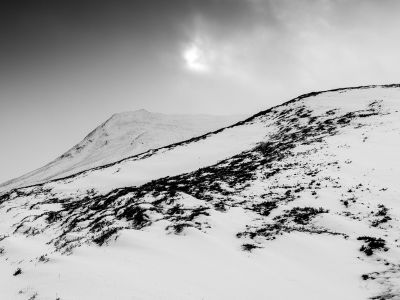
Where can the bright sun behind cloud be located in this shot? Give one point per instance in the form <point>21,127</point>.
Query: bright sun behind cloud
<point>195,59</point>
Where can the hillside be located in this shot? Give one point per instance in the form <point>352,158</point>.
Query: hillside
<point>123,135</point>
<point>297,202</point>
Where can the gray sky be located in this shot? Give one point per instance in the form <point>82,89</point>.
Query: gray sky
<point>66,66</point>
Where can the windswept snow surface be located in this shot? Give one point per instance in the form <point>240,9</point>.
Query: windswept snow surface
<point>123,135</point>
<point>297,202</point>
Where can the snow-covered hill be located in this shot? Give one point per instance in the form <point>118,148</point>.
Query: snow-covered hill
<point>297,202</point>
<point>123,135</point>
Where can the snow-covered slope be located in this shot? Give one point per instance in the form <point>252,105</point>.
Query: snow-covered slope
<point>123,135</point>
<point>297,202</point>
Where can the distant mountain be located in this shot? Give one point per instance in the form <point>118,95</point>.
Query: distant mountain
<point>300,201</point>
<point>123,135</point>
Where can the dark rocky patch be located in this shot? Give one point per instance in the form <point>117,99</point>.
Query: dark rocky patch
<point>372,244</point>
<point>17,272</point>
<point>249,247</point>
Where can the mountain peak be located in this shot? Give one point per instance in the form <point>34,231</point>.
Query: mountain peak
<point>124,134</point>
<point>130,114</point>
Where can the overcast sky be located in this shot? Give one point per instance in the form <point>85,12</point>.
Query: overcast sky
<point>66,66</point>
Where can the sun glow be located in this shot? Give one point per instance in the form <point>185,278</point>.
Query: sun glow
<point>195,59</point>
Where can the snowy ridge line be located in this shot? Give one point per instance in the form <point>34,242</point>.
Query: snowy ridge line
<point>151,152</point>
<point>313,94</point>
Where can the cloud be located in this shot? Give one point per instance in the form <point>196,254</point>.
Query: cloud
<point>309,43</point>
<point>265,46</point>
